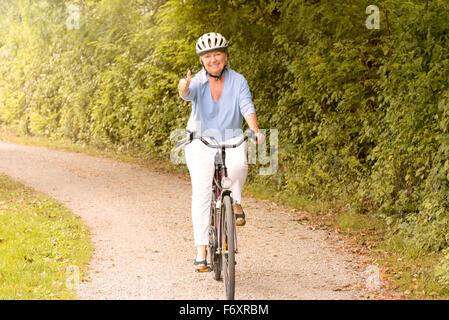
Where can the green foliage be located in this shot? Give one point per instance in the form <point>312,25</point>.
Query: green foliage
<point>442,270</point>
<point>362,114</point>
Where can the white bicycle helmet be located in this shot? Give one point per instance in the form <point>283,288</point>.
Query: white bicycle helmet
<point>209,42</point>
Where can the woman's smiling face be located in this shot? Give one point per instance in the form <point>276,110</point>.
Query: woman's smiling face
<point>214,61</point>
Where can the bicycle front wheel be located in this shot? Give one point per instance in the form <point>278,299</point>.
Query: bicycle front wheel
<point>228,246</point>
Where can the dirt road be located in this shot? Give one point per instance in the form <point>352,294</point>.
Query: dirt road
<point>143,240</point>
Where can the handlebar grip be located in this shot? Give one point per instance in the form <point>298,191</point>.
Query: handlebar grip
<point>188,139</point>
<point>250,134</point>
<point>180,143</point>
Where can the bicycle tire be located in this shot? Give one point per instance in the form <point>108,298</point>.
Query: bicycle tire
<point>229,248</point>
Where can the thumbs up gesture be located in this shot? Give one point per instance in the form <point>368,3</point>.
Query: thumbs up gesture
<point>184,84</point>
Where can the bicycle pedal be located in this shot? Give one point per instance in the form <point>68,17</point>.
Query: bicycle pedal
<point>208,269</point>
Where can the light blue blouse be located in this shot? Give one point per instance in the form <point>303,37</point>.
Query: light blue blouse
<point>222,119</point>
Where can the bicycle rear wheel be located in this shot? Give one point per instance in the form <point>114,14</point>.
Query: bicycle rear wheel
<point>228,246</point>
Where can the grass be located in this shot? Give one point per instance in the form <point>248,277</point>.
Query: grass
<point>407,272</point>
<point>410,271</point>
<point>43,247</point>
<point>291,200</point>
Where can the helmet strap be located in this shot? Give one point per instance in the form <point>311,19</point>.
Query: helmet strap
<point>214,76</point>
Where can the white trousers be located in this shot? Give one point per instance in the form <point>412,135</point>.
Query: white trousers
<point>200,162</point>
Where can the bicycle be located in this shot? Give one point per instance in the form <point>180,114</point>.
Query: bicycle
<point>222,231</point>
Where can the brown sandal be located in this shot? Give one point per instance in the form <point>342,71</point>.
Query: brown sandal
<point>240,219</point>
<point>199,265</point>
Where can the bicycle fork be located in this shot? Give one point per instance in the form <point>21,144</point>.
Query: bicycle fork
<point>219,222</point>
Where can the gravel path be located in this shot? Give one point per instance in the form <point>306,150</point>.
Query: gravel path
<point>143,241</point>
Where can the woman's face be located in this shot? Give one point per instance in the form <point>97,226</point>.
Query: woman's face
<point>214,61</point>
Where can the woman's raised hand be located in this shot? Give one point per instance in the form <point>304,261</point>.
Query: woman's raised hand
<point>184,84</point>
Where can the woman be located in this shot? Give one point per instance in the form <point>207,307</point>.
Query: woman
<point>220,99</point>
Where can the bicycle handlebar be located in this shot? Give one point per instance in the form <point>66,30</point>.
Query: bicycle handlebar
<point>248,134</point>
